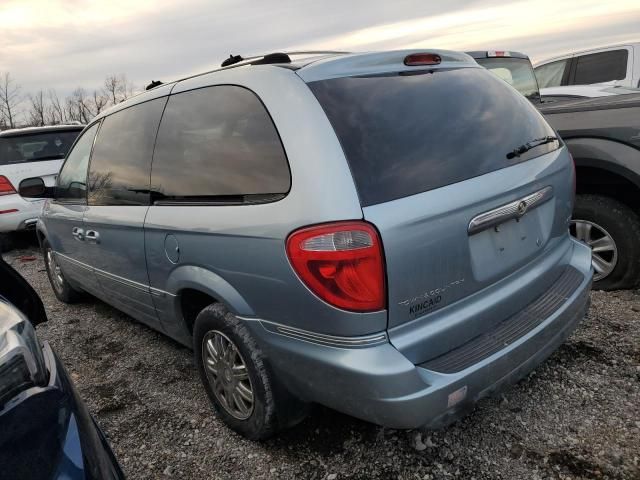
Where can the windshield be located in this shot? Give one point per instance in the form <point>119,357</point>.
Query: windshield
<point>517,72</point>
<point>36,146</point>
<point>408,133</point>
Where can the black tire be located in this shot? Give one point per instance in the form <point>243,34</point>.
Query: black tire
<point>273,407</point>
<point>61,288</point>
<point>623,226</point>
<point>6,242</point>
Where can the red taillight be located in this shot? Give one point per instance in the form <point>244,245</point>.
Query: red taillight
<point>341,263</point>
<point>416,59</point>
<point>5,186</point>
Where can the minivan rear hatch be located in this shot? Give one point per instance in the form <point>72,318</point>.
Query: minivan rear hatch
<point>468,187</point>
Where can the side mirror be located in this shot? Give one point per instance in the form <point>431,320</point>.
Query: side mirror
<point>34,188</point>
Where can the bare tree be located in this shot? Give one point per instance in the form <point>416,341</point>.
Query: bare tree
<point>37,109</point>
<point>98,102</point>
<point>78,106</point>
<point>56,113</point>
<point>111,85</point>
<point>82,107</point>
<point>9,99</point>
<point>117,88</point>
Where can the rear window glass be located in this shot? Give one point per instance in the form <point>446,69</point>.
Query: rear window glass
<point>36,147</point>
<point>404,134</point>
<point>218,144</point>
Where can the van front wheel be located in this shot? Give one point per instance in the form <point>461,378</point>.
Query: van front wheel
<point>237,378</point>
<point>61,288</point>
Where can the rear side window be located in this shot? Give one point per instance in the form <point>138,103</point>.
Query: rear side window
<point>551,74</point>
<point>71,185</point>
<point>36,147</point>
<point>218,144</point>
<point>405,134</point>
<point>601,67</point>
<point>121,160</point>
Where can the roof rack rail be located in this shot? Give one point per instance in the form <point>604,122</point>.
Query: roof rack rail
<point>319,52</point>
<point>278,57</point>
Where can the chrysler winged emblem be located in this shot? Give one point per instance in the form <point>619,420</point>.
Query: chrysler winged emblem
<point>522,208</point>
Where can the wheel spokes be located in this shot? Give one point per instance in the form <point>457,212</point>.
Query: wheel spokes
<point>603,244</point>
<point>604,251</point>
<point>240,372</point>
<point>228,375</point>
<point>244,392</point>
<point>239,402</point>
<point>600,265</point>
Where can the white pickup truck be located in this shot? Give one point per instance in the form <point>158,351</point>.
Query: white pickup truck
<point>613,65</point>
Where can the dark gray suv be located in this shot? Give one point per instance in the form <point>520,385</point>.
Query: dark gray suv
<point>381,233</point>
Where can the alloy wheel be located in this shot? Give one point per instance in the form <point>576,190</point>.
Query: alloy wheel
<point>604,252</point>
<point>227,374</point>
<point>57,280</point>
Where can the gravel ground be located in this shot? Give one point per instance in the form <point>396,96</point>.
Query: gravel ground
<point>576,416</point>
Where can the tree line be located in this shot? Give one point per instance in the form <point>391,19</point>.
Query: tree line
<point>45,107</point>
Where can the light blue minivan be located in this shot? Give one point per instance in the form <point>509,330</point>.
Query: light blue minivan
<point>381,233</point>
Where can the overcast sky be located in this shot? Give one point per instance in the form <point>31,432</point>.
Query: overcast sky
<point>64,44</point>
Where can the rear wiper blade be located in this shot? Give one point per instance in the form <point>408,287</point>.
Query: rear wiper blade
<point>516,152</point>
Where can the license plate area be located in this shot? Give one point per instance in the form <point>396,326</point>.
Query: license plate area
<point>504,247</point>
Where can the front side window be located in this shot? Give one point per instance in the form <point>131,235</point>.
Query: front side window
<point>119,170</point>
<point>551,74</point>
<point>218,144</point>
<point>72,180</point>
<point>601,67</point>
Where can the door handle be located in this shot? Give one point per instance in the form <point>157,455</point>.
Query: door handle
<point>78,233</point>
<point>92,236</point>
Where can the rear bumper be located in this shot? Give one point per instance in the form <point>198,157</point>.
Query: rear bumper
<point>16,213</point>
<point>379,384</point>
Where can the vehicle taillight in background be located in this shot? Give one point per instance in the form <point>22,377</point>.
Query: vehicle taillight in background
<point>416,59</point>
<point>5,186</point>
<point>342,263</point>
<point>498,53</point>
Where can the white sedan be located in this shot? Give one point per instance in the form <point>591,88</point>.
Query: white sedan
<point>24,153</point>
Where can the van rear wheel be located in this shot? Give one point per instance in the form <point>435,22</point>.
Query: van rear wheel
<point>237,378</point>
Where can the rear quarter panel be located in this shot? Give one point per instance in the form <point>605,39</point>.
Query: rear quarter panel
<point>244,246</point>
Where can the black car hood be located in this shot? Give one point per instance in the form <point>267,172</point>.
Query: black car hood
<point>22,295</point>
<point>589,104</point>
<point>50,435</point>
